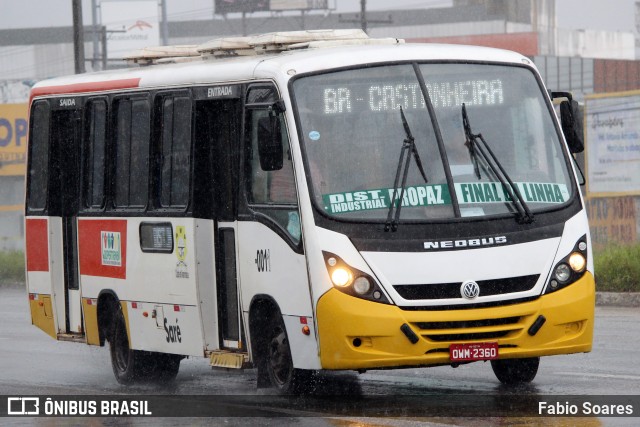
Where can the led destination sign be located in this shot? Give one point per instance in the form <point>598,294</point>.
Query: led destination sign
<point>386,97</point>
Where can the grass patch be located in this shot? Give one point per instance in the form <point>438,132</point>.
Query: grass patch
<point>11,267</point>
<point>617,268</point>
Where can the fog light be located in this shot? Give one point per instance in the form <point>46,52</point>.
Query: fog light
<point>362,285</point>
<point>577,262</point>
<point>582,246</point>
<point>563,273</point>
<point>341,277</point>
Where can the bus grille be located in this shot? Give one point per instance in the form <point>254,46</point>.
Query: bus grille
<point>467,330</point>
<point>452,290</point>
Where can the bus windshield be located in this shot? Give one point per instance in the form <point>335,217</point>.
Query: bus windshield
<point>353,132</point>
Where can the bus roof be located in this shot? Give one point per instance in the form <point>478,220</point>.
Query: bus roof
<point>279,66</point>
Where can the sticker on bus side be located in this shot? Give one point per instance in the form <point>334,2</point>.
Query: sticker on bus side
<point>111,251</point>
<point>420,195</point>
<point>494,192</point>
<point>182,269</point>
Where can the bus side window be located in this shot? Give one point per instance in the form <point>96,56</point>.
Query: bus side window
<point>132,153</point>
<point>175,163</point>
<point>39,156</point>
<point>272,193</point>
<point>94,154</point>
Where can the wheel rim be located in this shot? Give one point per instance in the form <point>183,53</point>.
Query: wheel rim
<point>280,357</point>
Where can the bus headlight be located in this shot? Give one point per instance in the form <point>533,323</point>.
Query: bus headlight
<point>578,262</point>
<point>362,285</point>
<point>352,281</point>
<point>563,273</point>
<point>341,277</point>
<point>570,268</point>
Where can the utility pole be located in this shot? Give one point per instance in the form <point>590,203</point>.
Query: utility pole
<point>165,24</point>
<point>78,36</point>
<point>362,19</point>
<point>95,36</point>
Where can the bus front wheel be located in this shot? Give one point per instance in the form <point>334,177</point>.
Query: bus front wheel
<point>516,371</point>
<point>279,364</point>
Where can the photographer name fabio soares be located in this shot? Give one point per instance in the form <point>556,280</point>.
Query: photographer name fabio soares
<point>309,200</point>
<point>585,408</point>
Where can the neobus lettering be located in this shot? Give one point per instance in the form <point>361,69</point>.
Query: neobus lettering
<point>463,243</point>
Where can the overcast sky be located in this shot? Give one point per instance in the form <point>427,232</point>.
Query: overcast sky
<point>612,15</point>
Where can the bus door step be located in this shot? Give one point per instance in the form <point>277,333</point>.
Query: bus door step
<point>229,359</point>
<point>72,337</point>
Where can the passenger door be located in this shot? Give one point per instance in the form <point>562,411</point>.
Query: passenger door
<point>218,112</point>
<point>65,167</point>
<point>52,209</point>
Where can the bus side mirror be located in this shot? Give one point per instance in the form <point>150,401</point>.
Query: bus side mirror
<point>571,121</point>
<point>270,142</point>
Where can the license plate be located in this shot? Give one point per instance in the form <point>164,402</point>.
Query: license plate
<point>474,351</point>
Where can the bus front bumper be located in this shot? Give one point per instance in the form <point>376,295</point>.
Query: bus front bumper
<point>358,334</point>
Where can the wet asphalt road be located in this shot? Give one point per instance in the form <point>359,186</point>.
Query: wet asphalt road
<point>32,363</point>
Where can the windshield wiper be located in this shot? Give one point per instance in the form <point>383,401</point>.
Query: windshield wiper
<point>408,148</point>
<point>477,150</point>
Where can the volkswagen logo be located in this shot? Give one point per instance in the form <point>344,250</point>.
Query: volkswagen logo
<point>469,289</point>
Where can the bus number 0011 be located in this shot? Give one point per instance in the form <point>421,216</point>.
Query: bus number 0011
<point>263,260</point>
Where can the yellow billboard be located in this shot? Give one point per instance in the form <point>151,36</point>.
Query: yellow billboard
<point>13,139</point>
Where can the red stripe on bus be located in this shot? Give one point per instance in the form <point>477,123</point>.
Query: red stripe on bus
<point>85,87</point>
<point>102,248</point>
<point>37,244</point>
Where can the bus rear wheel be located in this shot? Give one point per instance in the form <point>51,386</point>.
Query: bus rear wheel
<point>128,365</point>
<point>131,366</point>
<point>516,371</point>
<point>279,364</point>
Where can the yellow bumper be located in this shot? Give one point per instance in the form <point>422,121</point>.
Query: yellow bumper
<point>358,334</point>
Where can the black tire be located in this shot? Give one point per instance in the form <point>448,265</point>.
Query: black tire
<point>129,366</point>
<point>516,371</point>
<point>279,364</point>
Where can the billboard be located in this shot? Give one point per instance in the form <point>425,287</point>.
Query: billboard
<point>236,6</point>
<point>131,25</point>
<point>612,128</point>
<point>13,139</point>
